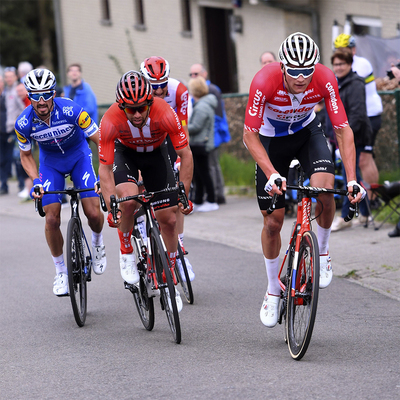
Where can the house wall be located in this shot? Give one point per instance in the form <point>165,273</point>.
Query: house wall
<point>95,45</point>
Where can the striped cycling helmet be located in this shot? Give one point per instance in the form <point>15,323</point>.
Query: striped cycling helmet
<point>40,80</point>
<point>299,50</point>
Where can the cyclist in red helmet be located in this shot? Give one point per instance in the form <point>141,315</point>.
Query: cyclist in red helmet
<point>132,139</point>
<point>156,70</point>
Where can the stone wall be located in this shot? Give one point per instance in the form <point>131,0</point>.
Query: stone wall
<point>386,146</point>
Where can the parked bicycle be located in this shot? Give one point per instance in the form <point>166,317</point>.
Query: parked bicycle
<point>300,283</point>
<point>79,256</point>
<point>155,270</point>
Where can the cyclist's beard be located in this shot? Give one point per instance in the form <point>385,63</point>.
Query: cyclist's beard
<point>44,112</point>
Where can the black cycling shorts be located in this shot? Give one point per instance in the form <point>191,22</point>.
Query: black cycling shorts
<point>308,145</point>
<point>155,168</point>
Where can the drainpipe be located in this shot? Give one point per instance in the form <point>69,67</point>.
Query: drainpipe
<point>303,10</point>
<point>60,42</point>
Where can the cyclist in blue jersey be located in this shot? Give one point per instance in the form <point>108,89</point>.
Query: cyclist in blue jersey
<point>60,127</point>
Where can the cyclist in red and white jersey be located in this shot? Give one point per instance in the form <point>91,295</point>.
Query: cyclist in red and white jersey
<point>132,139</point>
<point>280,124</point>
<point>156,70</point>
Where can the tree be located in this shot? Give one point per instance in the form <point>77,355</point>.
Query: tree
<point>27,33</point>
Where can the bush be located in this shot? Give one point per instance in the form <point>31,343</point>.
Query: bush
<point>237,172</point>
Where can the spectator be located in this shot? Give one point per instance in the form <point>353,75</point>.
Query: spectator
<point>396,231</point>
<point>267,57</point>
<point>221,133</point>
<point>24,182</point>
<point>352,94</point>
<point>201,133</point>
<point>80,91</point>
<point>14,107</point>
<point>23,68</point>
<point>6,142</point>
<point>363,68</point>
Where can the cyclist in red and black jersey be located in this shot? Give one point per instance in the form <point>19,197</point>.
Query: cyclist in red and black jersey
<point>156,70</point>
<point>132,139</point>
<point>280,125</point>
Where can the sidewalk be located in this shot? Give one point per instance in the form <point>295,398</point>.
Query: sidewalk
<point>363,255</point>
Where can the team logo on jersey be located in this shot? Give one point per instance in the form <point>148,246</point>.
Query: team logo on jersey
<point>22,122</point>
<point>281,93</point>
<point>277,98</point>
<point>68,111</point>
<point>254,108</point>
<point>334,100</point>
<point>20,137</point>
<point>84,120</point>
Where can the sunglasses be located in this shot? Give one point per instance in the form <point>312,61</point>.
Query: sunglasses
<point>296,72</point>
<point>45,95</point>
<point>134,110</point>
<point>194,74</point>
<point>159,86</point>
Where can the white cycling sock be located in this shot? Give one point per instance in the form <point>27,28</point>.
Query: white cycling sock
<point>61,268</point>
<point>181,235</point>
<point>323,239</point>
<point>272,267</point>
<point>97,239</point>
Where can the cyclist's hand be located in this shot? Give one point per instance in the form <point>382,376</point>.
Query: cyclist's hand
<point>37,189</point>
<point>270,186</point>
<point>187,210</point>
<point>361,194</point>
<point>97,188</point>
<point>111,222</point>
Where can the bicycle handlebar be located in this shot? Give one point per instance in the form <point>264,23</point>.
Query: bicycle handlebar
<point>70,191</point>
<point>145,197</point>
<point>314,192</point>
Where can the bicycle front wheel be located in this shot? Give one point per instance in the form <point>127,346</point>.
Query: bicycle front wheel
<point>144,303</point>
<point>302,304</point>
<point>161,264</point>
<point>184,278</point>
<point>76,260</point>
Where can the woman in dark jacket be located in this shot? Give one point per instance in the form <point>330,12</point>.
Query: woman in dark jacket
<point>201,136</point>
<point>352,94</point>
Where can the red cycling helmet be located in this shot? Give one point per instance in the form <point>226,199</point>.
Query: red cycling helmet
<point>134,89</point>
<point>155,69</point>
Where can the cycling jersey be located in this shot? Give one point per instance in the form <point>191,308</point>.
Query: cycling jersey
<point>69,126</point>
<point>162,121</point>
<point>62,144</point>
<point>273,111</point>
<point>177,97</point>
<point>364,69</point>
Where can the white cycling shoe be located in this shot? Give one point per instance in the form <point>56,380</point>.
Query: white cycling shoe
<point>325,271</point>
<point>99,259</point>
<point>270,310</point>
<point>178,300</point>
<point>129,271</point>
<point>60,285</point>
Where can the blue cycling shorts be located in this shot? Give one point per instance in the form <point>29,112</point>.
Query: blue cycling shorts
<point>53,169</point>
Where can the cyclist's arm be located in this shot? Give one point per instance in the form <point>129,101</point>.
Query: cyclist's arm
<point>186,171</point>
<point>29,164</point>
<point>95,138</point>
<point>253,143</point>
<point>345,139</point>
<point>107,182</point>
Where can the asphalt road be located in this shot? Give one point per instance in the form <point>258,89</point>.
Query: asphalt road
<point>226,353</point>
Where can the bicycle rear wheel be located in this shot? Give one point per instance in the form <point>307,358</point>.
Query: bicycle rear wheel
<point>302,306</point>
<point>161,264</point>
<point>184,280</point>
<point>144,303</point>
<point>76,260</point>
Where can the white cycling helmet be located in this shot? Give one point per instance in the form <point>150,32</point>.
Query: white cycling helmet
<point>40,80</point>
<point>299,50</point>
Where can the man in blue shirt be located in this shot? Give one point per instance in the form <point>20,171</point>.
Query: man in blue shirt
<point>60,128</point>
<point>80,91</point>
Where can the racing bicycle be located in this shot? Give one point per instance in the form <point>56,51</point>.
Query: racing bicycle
<point>79,257</point>
<point>157,276</point>
<point>300,282</point>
